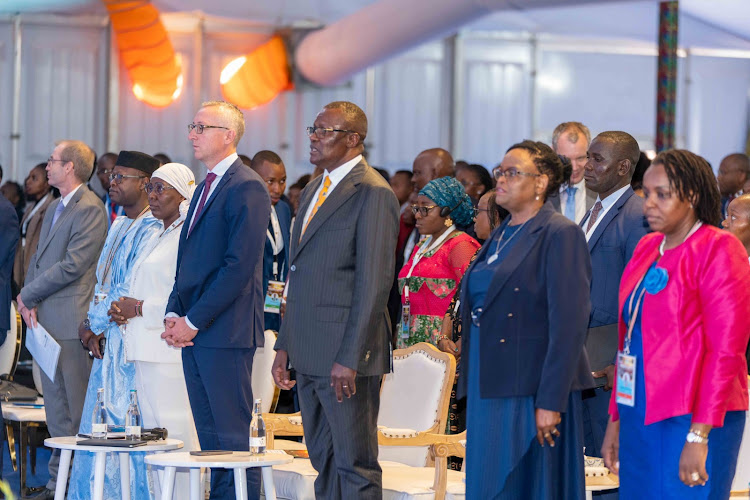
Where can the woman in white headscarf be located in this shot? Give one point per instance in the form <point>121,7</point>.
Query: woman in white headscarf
<point>162,394</point>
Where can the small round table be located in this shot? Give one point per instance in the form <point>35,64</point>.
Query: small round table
<point>68,445</point>
<point>239,461</point>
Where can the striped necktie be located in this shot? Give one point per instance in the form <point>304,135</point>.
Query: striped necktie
<point>321,198</point>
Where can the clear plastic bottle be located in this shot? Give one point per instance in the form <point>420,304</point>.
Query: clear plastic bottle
<point>133,418</point>
<point>99,418</point>
<point>257,431</point>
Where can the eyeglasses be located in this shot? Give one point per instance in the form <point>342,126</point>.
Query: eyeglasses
<point>510,173</point>
<point>477,210</point>
<point>200,127</point>
<point>156,186</point>
<point>119,177</point>
<point>321,132</point>
<point>51,160</point>
<point>423,211</point>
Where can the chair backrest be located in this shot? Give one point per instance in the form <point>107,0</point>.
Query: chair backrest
<point>11,346</point>
<point>262,382</point>
<point>742,474</point>
<point>36,375</point>
<point>416,396</point>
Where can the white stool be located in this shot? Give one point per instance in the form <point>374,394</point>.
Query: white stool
<point>239,461</point>
<point>26,415</point>
<point>68,446</point>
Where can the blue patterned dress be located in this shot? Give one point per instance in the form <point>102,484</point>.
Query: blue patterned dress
<point>112,372</point>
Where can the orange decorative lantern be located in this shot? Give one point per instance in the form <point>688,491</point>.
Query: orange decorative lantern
<point>146,51</point>
<point>256,78</point>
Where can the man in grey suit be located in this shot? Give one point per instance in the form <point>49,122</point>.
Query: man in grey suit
<point>336,331</point>
<point>60,283</point>
<point>571,140</point>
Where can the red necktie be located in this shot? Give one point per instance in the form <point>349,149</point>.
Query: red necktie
<point>206,188</point>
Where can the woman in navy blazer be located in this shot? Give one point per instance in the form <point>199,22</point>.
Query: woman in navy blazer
<point>527,304</point>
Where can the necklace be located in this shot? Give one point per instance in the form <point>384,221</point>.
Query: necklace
<point>113,250</point>
<point>498,247</point>
<point>692,231</point>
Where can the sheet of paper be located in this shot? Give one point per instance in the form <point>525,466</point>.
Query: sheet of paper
<point>44,349</point>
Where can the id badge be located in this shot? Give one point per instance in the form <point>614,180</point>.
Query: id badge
<point>405,320</point>
<point>273,297</point>
<point>625,379</point>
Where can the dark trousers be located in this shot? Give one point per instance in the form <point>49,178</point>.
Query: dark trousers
<point>342,437</point>
<point>221,397</point>
<point>595,418</point>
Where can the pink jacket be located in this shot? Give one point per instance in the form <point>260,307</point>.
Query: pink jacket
<point>695,331</point>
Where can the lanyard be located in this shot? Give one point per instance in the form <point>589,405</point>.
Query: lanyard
<point>426,248</point>
<point>31,214</point>
<point>276,240</point>
<point>633,313</point>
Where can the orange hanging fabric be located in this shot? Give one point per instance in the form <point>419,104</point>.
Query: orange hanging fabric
<point>146,51</point>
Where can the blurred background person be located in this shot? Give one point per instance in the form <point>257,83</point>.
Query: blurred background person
<point>163,158</point>
<point>734,172</point>
<point>38,192</point>
<point>162,393</point>
<point>13,192</point>
<point>475,179</point>
<point>429,279</point>
<point>402,186</point>
<point>683,335</point>
<point>738,223</point>
<point>104,168</point>
<point>525,307</point>
<point>294,191</point>
<point>640,168</point>
<point>571,140</point>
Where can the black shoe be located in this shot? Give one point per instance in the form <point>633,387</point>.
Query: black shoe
<point>44,494</point>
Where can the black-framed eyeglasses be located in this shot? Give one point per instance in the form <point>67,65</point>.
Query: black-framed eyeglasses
<point>510,173</point>
<point>52,160</point>
<point>200,127</point>
<point>477,210</point>
<point>119,177</point>
<point>423,211</point>
<point>156,186</point>
<point>321,132</point>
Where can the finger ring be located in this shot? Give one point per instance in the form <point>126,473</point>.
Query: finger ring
<point>695,476</point>
<point>345,385</point>
<point>546,434</point>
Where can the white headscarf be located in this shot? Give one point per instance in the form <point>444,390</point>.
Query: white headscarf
<point>179,177</point>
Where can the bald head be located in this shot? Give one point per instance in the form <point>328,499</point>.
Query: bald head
<point>432,164</point>
<point>734,171</point>
<point>738,219</point>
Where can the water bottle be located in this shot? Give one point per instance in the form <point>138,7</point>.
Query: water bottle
<point>133,419</point>
<point>257,431</point>
<point>99,418</point>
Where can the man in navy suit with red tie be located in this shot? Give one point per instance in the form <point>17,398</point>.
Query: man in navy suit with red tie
<point>215,311</point>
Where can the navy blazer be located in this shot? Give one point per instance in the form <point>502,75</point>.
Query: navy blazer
<point>535,315</point>
<point>611,247</point>
<point>284,213</point>
<point>219,280</point>
<point>9,234</point>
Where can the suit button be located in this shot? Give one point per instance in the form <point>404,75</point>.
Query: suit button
<point>510,315</point>
<point>516,289</point>
<point>293,268</point>
<point>502,341</point>
<point>37,266</point>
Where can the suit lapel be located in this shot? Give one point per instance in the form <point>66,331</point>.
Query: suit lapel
<point>341,193</point>
<point>70,207</point>
<point>223,182</point>
<point>609,217</point>
<point>518,253</point>
<point>304,204</point>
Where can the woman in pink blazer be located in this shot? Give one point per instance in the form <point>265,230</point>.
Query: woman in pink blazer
<point>680,395</point>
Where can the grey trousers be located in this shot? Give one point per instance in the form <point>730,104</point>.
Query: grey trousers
<point>342,438</point>
<point>63,398</point>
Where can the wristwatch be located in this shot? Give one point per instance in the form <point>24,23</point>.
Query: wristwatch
<point>87,325</point>
<point>692,437</point>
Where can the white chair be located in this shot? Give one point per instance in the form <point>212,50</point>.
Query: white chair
<point>11,347</point>
<point>262,380</point>
<point>413,409</point>
<point>742,474</point>
<point>36,374</point>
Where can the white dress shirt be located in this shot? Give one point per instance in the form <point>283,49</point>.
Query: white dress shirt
<point>219,170</point>
<point>580,199</point>
<point>336,176</point>
<point>607,203</point>
<point>66,199</point>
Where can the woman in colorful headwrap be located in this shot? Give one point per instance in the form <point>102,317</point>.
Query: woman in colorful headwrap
<point>428,281</point>
<point>162,394</point>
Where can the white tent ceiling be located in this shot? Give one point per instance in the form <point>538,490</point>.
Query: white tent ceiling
<point>712,24</point>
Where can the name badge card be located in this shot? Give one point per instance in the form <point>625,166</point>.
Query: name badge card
<point>625,379</point>
<point>273,297</point>
<point>405,320</point>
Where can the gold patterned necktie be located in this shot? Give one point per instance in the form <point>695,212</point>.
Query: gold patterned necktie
<point>321,198</point>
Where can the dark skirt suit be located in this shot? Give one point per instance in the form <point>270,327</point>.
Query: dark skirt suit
<point>526,352</point>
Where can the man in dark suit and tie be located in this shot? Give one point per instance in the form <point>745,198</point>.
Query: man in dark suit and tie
<point>271,169</point>
<point>571,140</point>
<point>60,284</point>
<point>9,234</point>
<point>215,311</point>
<point>613,227</point>
<point>336,331</point>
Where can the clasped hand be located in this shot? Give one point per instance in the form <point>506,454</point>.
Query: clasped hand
<point>177,333</point>
<point>120,311</point>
